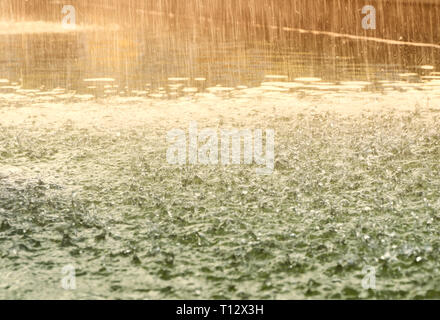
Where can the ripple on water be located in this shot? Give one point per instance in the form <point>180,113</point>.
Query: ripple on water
<point>177,79</point>
<point>274,88</point>
<point>190,90</point>
<point>431,77</point>
<point>427,67</point>
<point>435,84</point>
<point>323,86</point>
<point>355,83</point>
<point>276,77</point>
<point>272,83</point>
<point>219,89</point>
<point>308,79</point>
<point>288,85</point>
<point>84,97</point>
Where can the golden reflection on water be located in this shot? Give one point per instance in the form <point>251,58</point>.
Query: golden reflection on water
<point>167,54</point>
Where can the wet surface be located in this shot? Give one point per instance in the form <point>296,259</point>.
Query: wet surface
<point>84,180</point>
<point>87,184</point>
<point>166,59</point>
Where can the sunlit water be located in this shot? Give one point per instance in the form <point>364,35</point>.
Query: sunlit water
<point>144,246</point>
<point>167,59</point>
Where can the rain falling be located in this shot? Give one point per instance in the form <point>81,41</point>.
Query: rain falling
<point>219,149</point>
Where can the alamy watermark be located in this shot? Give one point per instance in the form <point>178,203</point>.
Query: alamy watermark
<point>369,21</point>
<point>69,18</point>
<point>211,147</point>
<point>369,280</point>
<point>68,282</point>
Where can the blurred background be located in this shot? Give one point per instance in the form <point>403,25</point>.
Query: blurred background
<point>137,46</point>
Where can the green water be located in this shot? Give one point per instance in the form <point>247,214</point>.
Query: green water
<point>347,192</point>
